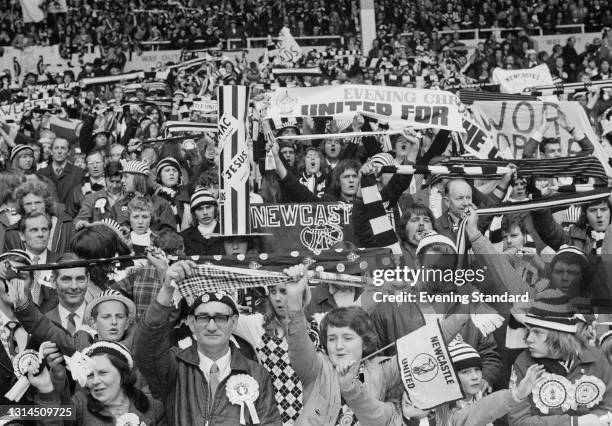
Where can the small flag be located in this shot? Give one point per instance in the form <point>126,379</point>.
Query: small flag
<point>426,368</point>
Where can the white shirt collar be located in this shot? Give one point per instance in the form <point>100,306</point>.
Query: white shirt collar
<point>42,257</point>
<point>207,230</point>
<point>223,363</point>
<point>78,318</point>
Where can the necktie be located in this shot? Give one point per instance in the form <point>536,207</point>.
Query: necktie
<point>59,171</point>
<point>70,324</point>
<point>35,290</point>
<point>12,342</point>
<point>213,380</point>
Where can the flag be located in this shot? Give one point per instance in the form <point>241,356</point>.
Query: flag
<point>65,128</point>
<point>210,279</point>
<point>58,6</point>
<point>32,11</point>
<point>288,50</point>
<point>426,368</point>
<point>234,165</point>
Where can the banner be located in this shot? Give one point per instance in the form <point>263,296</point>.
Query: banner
<point>42,59</point>
<point>547,42</point>
<point>288,51</point>
<point>31,11</point>
<point>147,61</point>
<point>234,165</point>
<point>426,368</point>
<point>303,227</point>
<point>205,106</point>
<point>13,112</point>
<point>397,105</point>
<point>478,142</point>
<point>514,81</point>
<point>511,124</point>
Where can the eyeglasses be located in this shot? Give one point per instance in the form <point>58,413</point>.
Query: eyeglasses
<point>219,319</point>
<point>94,163</point>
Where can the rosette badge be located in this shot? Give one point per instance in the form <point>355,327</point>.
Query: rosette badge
<point>242,390</point>
<point>129,419</point>
<point>286,103</point>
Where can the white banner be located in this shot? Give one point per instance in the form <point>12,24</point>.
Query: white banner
<point>547,42</point>
<point>514,81</point>
<point>147,61</point>
<point>13,112</point>
<point>41,59</point>
<point>426,368</point>
<point>205,106</point>
<point>397,105</point>
<point>511,124</point>
<point>288,51</point>
<point>31,10</point>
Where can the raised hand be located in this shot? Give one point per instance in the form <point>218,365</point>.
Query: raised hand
<point>533,374</point>
<point>297,288</point>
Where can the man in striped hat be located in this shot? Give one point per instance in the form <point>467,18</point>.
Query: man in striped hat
<point>198,238</point>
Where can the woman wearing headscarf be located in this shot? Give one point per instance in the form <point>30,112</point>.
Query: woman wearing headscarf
<point>110,396</point>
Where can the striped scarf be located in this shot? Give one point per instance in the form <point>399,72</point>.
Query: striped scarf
<point>314,183</point>
<point>382,228</point>
<point>579,166</point>
<point>598,238</point>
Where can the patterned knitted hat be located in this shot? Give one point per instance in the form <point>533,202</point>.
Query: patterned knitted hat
<point>552,310</point>
<point>165,162</point>
<point>433,237</point>
<point>17,149</point>
<point>571,255</point>
<point>217,296</point>
<point>383,159</point>
<point>202,197</point>
<point>135,167</point>
<point>464,356</point>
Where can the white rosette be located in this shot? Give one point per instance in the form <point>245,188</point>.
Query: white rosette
<point>21,366</point>
<point>79,366</point>
<point>129,419</point>
<point>242,389</point>
<point>588,392</point>
<point>100,204</point>
<point>553,391</point>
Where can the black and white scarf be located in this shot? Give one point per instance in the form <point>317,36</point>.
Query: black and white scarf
<point>315,183</point>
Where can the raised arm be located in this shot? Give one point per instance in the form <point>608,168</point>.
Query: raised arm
<point>152,342</point>
<point>302,353</point>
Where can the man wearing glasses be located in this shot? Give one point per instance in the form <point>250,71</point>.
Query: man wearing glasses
<point>196,383</point>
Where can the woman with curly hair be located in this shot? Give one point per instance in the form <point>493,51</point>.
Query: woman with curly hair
<point>34,195</point>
